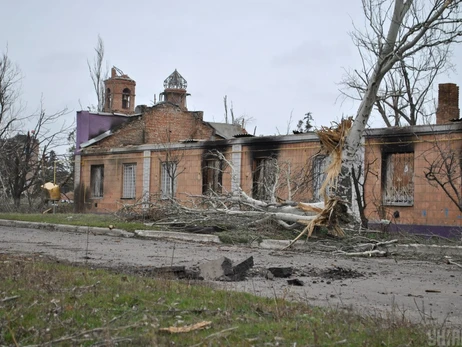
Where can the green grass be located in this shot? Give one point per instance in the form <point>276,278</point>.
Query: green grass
<point>49,302</point>
<point>92,220</point>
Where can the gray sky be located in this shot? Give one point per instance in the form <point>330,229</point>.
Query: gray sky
<point>270,58</point>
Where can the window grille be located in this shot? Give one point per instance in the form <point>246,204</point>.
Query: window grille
<point>168,178</point>
<point>399,179</point>
<point>97,181</point>
<point>129,181</point>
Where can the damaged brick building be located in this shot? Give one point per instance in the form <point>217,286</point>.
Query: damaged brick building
<point>129,154</point>
<point>414,173</point>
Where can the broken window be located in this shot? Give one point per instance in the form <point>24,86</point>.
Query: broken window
<point>126,98</point>
<point>168,179</point>
<point>108,99</point>
<point>212,176</point>
<point>398,183</point>
<point>264,178</point>
<point>97,180</point>
<point>129,181</point>
<point>319,175</point>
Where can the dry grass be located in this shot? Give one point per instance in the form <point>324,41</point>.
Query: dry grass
<point>46,303</point>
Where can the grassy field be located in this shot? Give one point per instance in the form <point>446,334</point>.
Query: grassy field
<point>92,220</point>
<point>104,220</point>
<point>43,301</point>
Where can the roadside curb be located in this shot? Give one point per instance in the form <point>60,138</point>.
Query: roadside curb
<point>66,228</point>
<point>178,236</point>
<point>415,248</point>
<point>397,249</point>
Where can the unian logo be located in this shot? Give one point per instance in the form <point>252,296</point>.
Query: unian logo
<point>446,337</point>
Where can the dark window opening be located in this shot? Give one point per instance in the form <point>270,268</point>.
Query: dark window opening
<point>212,176</point>
<point>97,181</point>
<point>319,167</point>
<point>264,179</point>
<point>108,99</point>
<point>126,98</point>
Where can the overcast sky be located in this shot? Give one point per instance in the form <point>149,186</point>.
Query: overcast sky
<point>270,58</point>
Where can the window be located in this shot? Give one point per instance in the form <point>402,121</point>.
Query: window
<point>212,176</point>
<point>319,175</point>
<point>264,178</point>
<point>108,99</point>
<point>126,98</point>
<point>168,180</point>
<point>398,179</point>
<point>129,181</point>
<point>97,180</point>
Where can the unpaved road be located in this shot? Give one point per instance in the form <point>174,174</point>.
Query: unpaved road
<point>427,290</point>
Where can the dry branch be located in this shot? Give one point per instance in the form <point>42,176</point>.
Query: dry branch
<point>449,261</point>
<point>332,140</point>
<point>375,252</point>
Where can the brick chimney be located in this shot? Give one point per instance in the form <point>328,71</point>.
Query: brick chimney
<point>448,103</point>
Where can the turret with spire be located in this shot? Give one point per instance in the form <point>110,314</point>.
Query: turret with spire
<point>175,90</point>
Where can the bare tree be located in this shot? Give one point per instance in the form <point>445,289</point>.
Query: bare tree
<point>443,170</point>
<point>97,74</point>
<point>24,154</point>
<point>405,97</point>
<point>242,121</point>
<point>170,160</point>
<point>10,90</point>
<point>413,27</point>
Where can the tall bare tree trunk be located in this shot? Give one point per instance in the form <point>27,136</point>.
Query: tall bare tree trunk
<point>440,26</point>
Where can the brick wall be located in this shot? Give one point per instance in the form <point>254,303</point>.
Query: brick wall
<point>163,123</point>
<point>166,123</point>
<point>431,204</point>
<point>294,158</point>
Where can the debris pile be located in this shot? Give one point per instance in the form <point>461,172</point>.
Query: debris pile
<point>222,269</point>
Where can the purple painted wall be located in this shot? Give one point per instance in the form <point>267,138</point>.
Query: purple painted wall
<point>453,232</point>
<point>90,125</point>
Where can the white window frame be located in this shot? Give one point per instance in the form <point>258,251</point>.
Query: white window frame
<point>129,181</point>
<point>166,179</point>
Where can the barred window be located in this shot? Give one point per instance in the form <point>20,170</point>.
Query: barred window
<point>398,183</point>
<point>97,180</point>
<point>168,180</point>
<point>129,181</point>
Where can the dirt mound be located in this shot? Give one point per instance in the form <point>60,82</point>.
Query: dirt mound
<point>340,273</point>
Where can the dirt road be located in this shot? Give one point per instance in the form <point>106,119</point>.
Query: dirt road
<point>427,290</point>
